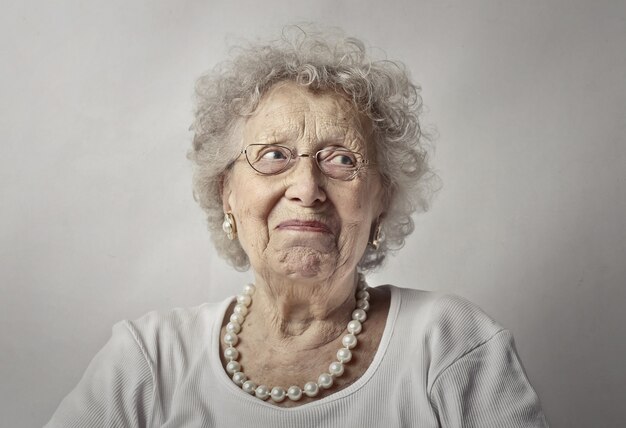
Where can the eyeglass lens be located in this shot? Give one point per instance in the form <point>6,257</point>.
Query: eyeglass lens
<point>335,162</point>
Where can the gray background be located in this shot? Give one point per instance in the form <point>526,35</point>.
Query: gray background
<point>98,223</point>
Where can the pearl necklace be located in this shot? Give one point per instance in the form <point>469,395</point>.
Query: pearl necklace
<point>294,392</point>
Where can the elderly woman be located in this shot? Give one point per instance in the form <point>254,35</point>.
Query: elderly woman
<point>309,163</point>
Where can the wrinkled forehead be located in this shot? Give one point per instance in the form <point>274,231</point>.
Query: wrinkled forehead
<point>291,112</point>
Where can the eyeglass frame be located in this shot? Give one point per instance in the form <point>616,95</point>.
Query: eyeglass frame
<point>361,161</point>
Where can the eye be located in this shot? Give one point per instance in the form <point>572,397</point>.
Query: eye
<point>272,153</point>
<point>338,158</point>
<point>343,159</point>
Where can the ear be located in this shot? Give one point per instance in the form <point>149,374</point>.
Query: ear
<point>378,220</point>
<point>225,192</point>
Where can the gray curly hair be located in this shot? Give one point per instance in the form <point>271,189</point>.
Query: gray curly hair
<point>326,61</point>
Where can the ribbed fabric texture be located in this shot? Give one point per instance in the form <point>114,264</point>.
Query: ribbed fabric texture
<point>441,363</point>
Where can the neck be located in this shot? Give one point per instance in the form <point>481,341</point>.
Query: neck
<point>306,312</point>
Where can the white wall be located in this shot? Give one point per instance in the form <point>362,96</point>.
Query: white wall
<point>98,223</point>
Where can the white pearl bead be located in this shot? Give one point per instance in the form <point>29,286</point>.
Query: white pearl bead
<point>244,299</point>
<point>241,310</point>
<point>233,327</point>
<point>239,378</point>
<point>349,341</point>
<point>363,304</point>
<point>294,393</point>
<point>278,394</point>
<point>335,369</point>
<point>325,381</point>
<point>231,338</point>
<point>233,367</point>
<point>344,355</point>
<point>237,318</point>
<point>262,392</point>
<point>354,327</point>
<point>249,386</point>
<point>359,315</point>
<point>311,389</point>
<point>231,353</point>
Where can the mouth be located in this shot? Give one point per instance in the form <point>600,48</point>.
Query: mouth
<point>304,226</point>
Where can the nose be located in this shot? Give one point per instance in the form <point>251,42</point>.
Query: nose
<point>305,182</point>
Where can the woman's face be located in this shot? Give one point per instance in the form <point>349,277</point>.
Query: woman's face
<point>300,223</point>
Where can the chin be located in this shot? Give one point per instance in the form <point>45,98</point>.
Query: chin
<point>305,262</point>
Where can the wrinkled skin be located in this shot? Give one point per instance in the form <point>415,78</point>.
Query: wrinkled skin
<point>303,232</point>
<point>264,206</point>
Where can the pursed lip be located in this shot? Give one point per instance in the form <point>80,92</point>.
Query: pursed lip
<point>304,226</point>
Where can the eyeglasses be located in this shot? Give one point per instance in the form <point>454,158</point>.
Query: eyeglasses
<point>334,162</point>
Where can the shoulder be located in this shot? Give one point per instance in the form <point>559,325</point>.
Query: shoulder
<point>158,333</point>
<point>444,315</point>
<point>177,319</point>
<point>473,375</point>
<point>446,326</point>
<point>124,380</point>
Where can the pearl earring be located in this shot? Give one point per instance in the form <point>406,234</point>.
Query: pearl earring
<point>229,226</point>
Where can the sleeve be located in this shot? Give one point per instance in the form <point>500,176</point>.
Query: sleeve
<point>487,387</point>
<point>116,390</point>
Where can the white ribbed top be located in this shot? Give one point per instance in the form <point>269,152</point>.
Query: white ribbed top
<point>441,363</point>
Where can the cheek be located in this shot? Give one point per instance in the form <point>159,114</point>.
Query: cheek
<point>364,205</point>
<point>358,210</point>
<point>357,214</point>
<point>251,199</point>
<point>252,214</point>
<point>375,196</point>
<point>252,204</point>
